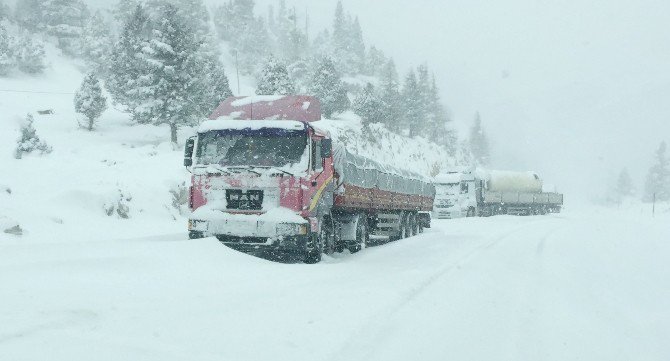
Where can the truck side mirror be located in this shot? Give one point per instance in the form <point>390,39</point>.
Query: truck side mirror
<point>326,148</point>
<point>188,152</point>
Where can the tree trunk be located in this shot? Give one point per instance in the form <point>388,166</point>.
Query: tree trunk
<point>173,133</point>
<point>90,124</point>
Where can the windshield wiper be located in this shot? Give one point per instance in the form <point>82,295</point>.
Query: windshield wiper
<point>276,168</point>
<point>209,167</point>
<point>248,168</point>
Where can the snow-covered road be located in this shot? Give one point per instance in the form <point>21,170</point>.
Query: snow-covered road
<point>590,285</point>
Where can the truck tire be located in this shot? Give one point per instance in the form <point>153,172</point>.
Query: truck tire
<point>403,228</point>
<point>361,236</point>
<point>313,249</point>
<point>327,237</point>
<point>414,225</point>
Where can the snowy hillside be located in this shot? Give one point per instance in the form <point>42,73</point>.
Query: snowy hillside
<point>68,193</point>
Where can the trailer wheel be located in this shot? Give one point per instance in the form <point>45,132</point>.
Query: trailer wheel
<point>361,236</point>
<point>313,249</point>
<point>414,225</point>
<point>403,227</point>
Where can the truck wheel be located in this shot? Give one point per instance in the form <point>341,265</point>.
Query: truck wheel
<point>327,237</point>
<point>313,250</point>
<point>361,237</point>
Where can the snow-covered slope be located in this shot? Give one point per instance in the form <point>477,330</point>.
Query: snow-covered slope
<point>65,194</point>
<point>68,194</point>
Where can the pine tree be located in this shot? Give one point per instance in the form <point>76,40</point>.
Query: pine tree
<point>291,41</point>
<point>196,15</point>
<point>322,45</point>
<point>413,106</point>
<point>624,186</point>
<point>368,106</point>
<point>89,100</point>
<point>479,145</point>
<point>273,79</point>
<point>96,43</point>
<point>216,86</point>
<point>168,90</point>
<point>356,47</point>
<point>390,96</point>
<point>30,55</point>
<point>375,62</point>
<point>127,68</point>
<point>29,141</point>
<point>29,14</point>
<point>5,11</point>
<point>65,20</point>
<point>658,177</point>
<point>7,62</point>
<point>426,125</point>
<point>327,86</point>
<point>347,42</point>
<point>124,9</point>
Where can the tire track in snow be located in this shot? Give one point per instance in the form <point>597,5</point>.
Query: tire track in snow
<point>363,340</point>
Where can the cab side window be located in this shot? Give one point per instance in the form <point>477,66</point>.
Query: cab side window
<point>464,187</point>
<point>317,161</point>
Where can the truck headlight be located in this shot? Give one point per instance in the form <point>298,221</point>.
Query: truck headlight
<point>289,229</point>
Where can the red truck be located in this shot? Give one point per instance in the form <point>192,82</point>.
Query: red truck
<point>265,177</point>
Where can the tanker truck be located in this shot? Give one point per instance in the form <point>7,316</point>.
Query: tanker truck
<point>266,177</point>
<point>471,192</point>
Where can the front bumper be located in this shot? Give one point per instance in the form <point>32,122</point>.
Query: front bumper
<point>250,232</point>
<point>295,243</point>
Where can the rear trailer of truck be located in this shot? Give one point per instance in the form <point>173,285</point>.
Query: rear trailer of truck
<point>395,202</point>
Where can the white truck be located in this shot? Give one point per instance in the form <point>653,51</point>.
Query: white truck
<point>469,192</point>
<point>455,193</point>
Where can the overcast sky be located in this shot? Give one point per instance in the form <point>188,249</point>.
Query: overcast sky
<point>573,89</point>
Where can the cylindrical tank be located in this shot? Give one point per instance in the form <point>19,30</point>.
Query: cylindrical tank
<point>507,181</point>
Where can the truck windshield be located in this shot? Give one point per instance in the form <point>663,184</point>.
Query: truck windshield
<point>446,189</point>
<point>234,148</point>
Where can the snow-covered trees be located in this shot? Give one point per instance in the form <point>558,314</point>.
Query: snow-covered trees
<point>22,53</point>
<point>413,105</point>
<point>246,33</point>
<point>172,80</point>
<point>624,186</point>
<point>347,41</point>
<point>479,144</point>
<point>29,14</point>
<point>162,72</point>
<point>65,20</point>
<point>95,43</point>
<point>127,68</point>
<point>89,100</point>
<point>327,86</point>
<point>369,106</point>
<point>29,142</point>
<point>390,96</point>
<point>658,178</point>
<point>29,53</point>
<point>274,79</point>
<point>291,42</point>
<point>5,11</point>
<point>7,61</point>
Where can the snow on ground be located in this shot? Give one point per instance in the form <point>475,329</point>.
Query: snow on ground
<point>586,285</point>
